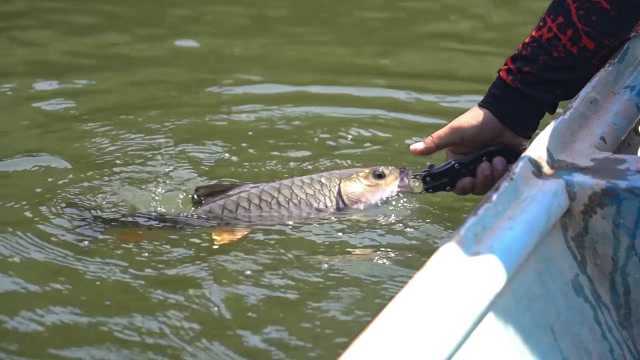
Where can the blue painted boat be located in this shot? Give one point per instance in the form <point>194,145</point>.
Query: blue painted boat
<point>548,266</point>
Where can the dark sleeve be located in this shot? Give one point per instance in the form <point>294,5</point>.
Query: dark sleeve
<point>572,41</point>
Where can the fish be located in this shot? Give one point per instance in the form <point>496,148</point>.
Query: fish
<point>237,206</point>
<point>232,209</point>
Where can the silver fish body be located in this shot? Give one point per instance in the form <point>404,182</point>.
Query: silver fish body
<point>300,197</point>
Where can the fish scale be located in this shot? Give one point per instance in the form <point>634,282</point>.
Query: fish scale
<point>291,198</point>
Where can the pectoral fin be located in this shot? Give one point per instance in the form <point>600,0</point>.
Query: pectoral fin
<point>225,235</point>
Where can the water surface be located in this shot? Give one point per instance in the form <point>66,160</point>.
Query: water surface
<point>113,107</point>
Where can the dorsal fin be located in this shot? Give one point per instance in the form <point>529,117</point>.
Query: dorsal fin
<point>205,193</point>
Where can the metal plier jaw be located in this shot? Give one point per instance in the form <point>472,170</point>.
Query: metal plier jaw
<point>444,177</point>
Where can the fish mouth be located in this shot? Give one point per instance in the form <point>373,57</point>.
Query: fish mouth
<point>407,183</point>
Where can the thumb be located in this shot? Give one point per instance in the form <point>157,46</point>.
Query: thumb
<point>441,139</point>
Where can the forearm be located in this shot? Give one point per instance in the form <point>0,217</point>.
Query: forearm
<point>572,41</point>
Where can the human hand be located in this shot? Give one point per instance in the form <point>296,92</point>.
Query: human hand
<point>474,130</point>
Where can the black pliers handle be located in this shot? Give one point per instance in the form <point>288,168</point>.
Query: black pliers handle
<point>445,176</point>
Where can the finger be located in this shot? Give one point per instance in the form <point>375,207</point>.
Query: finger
<point>443,138</point>
<point>464,186</point>
<point>484,179</point>
<point>499,167</point>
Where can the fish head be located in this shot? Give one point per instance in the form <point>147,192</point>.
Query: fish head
<point>371,186</point>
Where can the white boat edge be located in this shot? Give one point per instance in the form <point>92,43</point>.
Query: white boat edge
<point>545,267</point>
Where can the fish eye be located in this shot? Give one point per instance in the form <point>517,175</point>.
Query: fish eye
<point>378,174</point>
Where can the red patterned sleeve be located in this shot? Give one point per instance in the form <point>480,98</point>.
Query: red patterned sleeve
<point>567,47</point>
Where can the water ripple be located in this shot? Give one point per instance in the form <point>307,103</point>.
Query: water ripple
<point>46,85</point>
<point>11,284</point>
<point>32,162</point>
<point>155,151</point>
<point>103,352</point>
<point>158,328</point>
<point>456,101</point>
<point>55,104</point>
<point>207,349</point>
<point>27,246</point>
<point>254,112</point>
<point>188,43</point>
<point>7,88</point>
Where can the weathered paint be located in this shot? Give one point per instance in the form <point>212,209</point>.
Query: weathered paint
<point>547,266</point>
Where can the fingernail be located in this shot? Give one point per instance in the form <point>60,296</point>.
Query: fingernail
<point>419,146</point>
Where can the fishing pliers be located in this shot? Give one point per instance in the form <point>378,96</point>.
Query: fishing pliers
<point>444,177</point>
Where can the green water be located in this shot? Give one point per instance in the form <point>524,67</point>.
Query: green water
<point>108,107</point>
